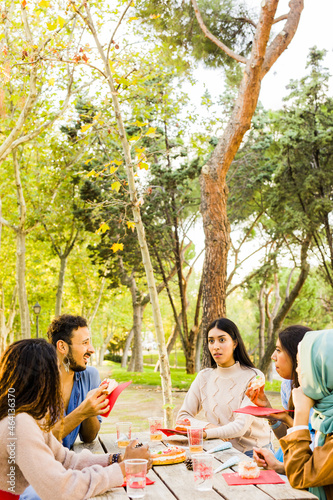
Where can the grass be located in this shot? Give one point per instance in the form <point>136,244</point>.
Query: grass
<point>180,379</point>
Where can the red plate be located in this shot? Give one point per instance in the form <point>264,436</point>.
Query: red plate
<point>171,432</point>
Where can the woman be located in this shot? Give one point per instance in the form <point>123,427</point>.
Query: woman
<point>30,405</point>
<point>306,468</point>
<point>221,389</point>
<point>284,357</point>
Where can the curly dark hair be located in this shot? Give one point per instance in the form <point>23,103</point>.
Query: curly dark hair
<point>29,370</point>
<point>240,353</point>
<point>62,328</point>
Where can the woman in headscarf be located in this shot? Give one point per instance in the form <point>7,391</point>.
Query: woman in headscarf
<point>306,468</point>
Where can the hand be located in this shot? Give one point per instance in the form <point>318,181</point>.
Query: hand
<point>141,452</point>
<point>95,403</point>
<point>303,405</point>
<point>258,397</point>
<point>266,459</point>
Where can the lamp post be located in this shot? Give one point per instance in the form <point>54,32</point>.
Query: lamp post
<point>37,308</point>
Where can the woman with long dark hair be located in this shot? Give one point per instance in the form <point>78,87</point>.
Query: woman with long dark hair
<point>284,358</point>
<point>221,389</point>
<point>30,405</point>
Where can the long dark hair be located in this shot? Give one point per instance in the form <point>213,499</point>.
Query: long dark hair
<point>289,338</point>
<point>240,353</point>
<point>29,370</point>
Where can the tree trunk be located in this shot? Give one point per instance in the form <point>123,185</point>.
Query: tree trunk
<point>262,316</point>
<point>287,305</point>
<point>198,350</point>
<point>217,240</point>
<point>102,349</point>
<point>170,343</point>
<point>137,353</point>
<point>20,280</point>
<point>126,348</point>
<point>61,282</point>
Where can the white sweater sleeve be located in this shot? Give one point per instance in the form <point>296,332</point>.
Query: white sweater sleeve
<point>192,405</point>
<point>234,429</point>
<point>57,473</point>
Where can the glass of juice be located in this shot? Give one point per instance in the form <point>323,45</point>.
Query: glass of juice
<point>203,471</point>
<point>124,433</point>
<point>195,439</point>
<point>155,423</point>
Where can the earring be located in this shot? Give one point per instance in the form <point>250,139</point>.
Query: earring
<point>66,364</point>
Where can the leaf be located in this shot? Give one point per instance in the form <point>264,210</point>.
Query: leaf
<point>151,132</point>
<point>117,246</point>
<point>51,26</point>
<point>86,127</point>
<point>117,162</point>
<point>113,170</point>
<point>88,161</point>
<point>61,21</point>
<point>44,3</point>
<point>23,4</point>
<point>116,186</point>
<point>142,165</point>
<point>91,173</point>
<point>134,138</point>
<point>131,225</point>
<point>133,18</point>
<point>140,124</point>
<point>51,81</point>
<point>103,228</point>
<point>140,150</point>
<point>154,16</point>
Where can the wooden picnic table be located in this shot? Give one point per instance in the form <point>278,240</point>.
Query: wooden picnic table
<point>175,482</point>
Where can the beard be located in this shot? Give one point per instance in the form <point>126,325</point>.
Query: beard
<point>73,365</point>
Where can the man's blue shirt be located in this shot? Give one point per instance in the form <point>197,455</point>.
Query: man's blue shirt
<point>84,382</point>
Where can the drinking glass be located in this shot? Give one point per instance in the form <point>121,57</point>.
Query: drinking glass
<point>203,471</point>
<point>195,439</point>
<point>124,432</point>
<point>136,470</point>
<point>155,423</point>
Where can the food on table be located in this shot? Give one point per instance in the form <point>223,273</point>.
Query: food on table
<point>171,455</point>
<point>182,424</point>
<point>257,382</point>
<point>248,470</point>
<point>110,384</point>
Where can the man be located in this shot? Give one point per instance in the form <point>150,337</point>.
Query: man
<point>84,400</point>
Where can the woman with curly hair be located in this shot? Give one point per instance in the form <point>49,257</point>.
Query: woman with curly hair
<point>30,405</point>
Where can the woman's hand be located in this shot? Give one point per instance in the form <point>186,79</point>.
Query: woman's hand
<point>266,459</point>
<point>141,452</point>
<point>303,405</point>
<point>258,397</point>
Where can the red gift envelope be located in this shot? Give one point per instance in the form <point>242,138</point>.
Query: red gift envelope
<point>258,411</point>
<point>171,432</point>
<point>265,477</point>
<point>114,396</point>
<point>148,481</point>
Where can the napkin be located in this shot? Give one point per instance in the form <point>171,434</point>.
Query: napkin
<point>265,477</point>
<point>114,395</point>
<point>258,411</point>
<point>148,481</point>
<point>170,432</point>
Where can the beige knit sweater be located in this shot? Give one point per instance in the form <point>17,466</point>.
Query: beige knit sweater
<point>219,391</point>
<point>54,472</point>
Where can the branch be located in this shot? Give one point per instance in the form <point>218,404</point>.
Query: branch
<point>11,142</point>
<point>213,38</point>
<point>283,39</point>
<point>281,18</point>
<point>116,28</point>
<point>19,190</point>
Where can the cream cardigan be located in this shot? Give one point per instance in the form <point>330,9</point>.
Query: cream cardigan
<point>37,458</point>
<point>219,391</point>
